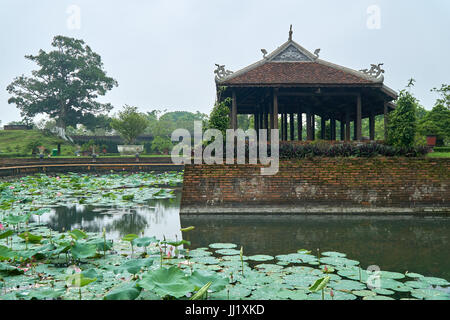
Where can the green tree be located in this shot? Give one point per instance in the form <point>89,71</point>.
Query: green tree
<point>161,145</point>
<point>436,122</point>
<point>402,121</point>
<point>130,123</point>
<point>66,85</point>
<point>220,116</point>
<point>444,92</point>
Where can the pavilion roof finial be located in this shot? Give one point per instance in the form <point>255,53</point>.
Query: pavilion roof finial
<point>290,33</point>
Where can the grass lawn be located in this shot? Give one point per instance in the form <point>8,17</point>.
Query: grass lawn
<point>16,142</point>
<point>439,155</point>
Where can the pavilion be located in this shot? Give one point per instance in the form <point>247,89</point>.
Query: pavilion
<point>291,81</point>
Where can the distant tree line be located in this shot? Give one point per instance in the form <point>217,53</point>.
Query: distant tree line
<point>71,77</point>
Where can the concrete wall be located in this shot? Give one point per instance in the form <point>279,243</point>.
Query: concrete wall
<point>320,185</point>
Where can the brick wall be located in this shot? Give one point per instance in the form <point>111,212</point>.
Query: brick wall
<point>328,183</point>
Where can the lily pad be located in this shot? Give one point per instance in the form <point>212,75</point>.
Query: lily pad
<point>222,245</point>
<point>333,254</point>
<point>413,275</point>
<point>430,294</point>
<point>227,252</point>
<point>383,291</point>
<point>418,284</point>
<point>377,298</point>
<point>266,267</point>
<point>435,281</point>
<point>260,257</point>
<point>363,293</point>
<point>348,285</point>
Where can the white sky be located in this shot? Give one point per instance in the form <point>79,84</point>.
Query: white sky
<point>162,53</point>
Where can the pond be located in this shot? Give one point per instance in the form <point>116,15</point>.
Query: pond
<point>401,243</point>
<point>113,229</point>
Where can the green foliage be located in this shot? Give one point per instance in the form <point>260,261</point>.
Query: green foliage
<point>161,145</point>
<point>65,86</point>
<point>436,122</point>
<point>130,123</point>
<point>441,149</point>
<point>127,291</point>
<point>220,116</point>
<point>444,98</point>
<point>402,121</point>
<point>32,146</point>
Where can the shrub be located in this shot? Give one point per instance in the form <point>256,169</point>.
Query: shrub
<point>402,121</point>
<point>441,149</point>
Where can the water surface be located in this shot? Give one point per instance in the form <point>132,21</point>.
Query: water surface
<point>401,243</point>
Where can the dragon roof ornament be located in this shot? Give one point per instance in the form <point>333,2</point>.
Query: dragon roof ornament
<point>375,71</point>
<point>221,72</point>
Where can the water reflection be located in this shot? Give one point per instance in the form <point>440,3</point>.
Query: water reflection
<point>415,244</point>
<point>157,218</point>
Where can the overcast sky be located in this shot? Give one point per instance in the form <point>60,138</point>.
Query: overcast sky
<point>162,53</point>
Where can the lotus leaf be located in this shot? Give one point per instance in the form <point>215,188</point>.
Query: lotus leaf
<point>201,278</point>
<point>127,291</point>
<point>226,252</point>
<point>222,245</point>
<point>260,257</point>
<point>83,250</point>
<point>430,294</point>
<point>167,282</point>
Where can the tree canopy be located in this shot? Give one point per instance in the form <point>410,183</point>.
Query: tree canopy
<point>403,121</point>
<point>66,85</point>
<point>130,123</point>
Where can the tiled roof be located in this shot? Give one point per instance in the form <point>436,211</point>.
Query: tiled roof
<point>295,73</point>
<point>291,64</point>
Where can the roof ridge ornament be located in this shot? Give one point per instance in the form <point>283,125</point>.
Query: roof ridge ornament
<point>264,52</point>
<point>316,53</point>
<point>290,33</point>
<point>375,71</point>
<point>221,72</point>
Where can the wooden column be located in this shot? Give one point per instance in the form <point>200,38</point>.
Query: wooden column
<point>309,136</point>
<point>358,121</point>
<point>275,108</point>
<point>347,126</point>
<point>234,111</point>
<point>291,123</point>
<point>256,121</point>
<point>285,126</point>
<point>313,124</point>
<point>266,121</point>
<point>323,125</point>
<point>333,129</point>
<point>355,134</point>
<point>342,129</point>
<point>299,125</point>
<point>372,126</point>
<point>386,121</point>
